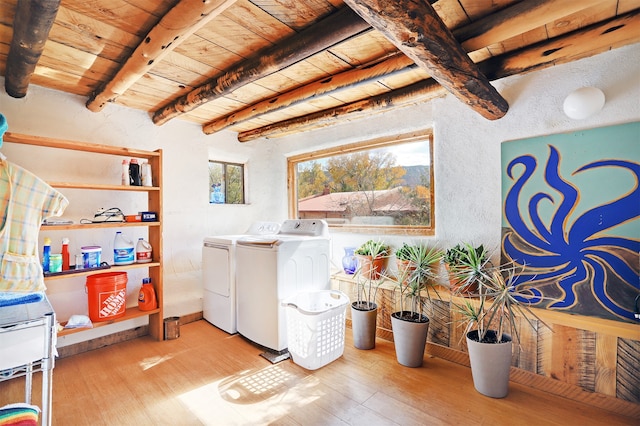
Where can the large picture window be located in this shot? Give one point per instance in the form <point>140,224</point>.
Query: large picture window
<point>226,183</point>
<point>383,185</point>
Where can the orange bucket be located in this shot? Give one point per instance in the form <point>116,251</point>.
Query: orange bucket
<point>107,295</point>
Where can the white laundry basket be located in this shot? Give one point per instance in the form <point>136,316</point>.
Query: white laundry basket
<point>316,327</point>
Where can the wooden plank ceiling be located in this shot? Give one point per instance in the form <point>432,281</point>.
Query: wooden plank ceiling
<point>267,68</point>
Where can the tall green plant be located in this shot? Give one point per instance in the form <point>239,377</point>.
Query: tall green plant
<point>496,305</point>
<point>367,286</point>
<point>414,276</point>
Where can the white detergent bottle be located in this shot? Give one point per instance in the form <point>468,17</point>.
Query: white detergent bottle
<point>123,250</point>
<point>143,251</point>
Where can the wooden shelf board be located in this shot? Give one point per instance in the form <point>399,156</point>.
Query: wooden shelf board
<point>102,187</point>
<point>78,146</point>
<point>130,313</point>
<point>113,268</point>
<point>96,225</point>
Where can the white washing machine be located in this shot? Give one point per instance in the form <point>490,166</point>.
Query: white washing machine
<point>219,275</point>
<point>270,269</point>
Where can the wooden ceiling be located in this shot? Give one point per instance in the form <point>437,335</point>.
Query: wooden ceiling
<point>267,68</point>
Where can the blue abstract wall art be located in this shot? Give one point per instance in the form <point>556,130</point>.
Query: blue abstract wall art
<point>571,219</point>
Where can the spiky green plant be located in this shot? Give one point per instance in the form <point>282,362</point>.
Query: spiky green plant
<point>416,275</point>
<point>469,265</point>
<point>496,305</point>
<point>367,284</point>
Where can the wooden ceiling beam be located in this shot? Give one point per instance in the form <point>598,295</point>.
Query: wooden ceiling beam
<point>31,26</point>
<point>335,28</point>
<point>183,20</point>
<point>569,47</point>
<point>415,28</point>
<point>350,78</point>
<point>583,43</point>
<point>500,26</point>
<point>421,91</point>
<point>515,20</point>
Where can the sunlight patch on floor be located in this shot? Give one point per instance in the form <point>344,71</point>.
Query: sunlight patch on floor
<point>252,396</point>
<point>151,362</point>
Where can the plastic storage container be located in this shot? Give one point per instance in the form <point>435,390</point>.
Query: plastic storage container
<point>316,327</point>
<point>91,256</point>
<point>55,262</point>
<point>107,294</point>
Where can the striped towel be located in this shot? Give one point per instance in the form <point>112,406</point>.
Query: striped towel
<point>19,415</point>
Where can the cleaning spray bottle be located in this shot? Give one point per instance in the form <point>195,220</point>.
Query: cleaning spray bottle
<point>147,297</point>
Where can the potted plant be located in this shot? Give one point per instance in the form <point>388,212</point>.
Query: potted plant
<point>403,256</point>
<point>466,264</point>
<point>490,314</point>
<point>372,259</point>
<point>416,272</point>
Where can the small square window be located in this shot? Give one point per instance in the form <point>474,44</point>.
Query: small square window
<point>226,183</point>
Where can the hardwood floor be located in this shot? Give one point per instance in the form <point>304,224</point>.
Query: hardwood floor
<point>209,377</point>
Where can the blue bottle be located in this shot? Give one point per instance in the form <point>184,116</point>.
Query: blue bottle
<point>46,252</point>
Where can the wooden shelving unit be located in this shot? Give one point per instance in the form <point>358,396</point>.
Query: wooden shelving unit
<point>154,203</point>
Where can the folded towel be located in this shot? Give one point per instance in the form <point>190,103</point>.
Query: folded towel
<point>19,414</point>
<point>10,298</point>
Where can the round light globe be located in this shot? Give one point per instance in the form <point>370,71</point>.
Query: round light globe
<point>583,102</point>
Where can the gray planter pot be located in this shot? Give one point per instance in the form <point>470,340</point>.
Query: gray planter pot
<point>363,324</point>
<point>490,364</point>
<point>410,339</point>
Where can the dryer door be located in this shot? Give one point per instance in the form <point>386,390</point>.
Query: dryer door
<point>216,268</point>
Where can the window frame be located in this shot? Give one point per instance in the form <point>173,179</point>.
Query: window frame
<point>380,142</point>
<point>225,174</point>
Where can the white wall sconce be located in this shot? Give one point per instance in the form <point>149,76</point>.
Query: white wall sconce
<point>583,102</point>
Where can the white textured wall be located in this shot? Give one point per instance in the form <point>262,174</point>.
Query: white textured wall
<point>467,161</point>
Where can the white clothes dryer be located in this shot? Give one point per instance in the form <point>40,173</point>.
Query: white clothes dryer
<point>219,275</point>
<point>272,268</point>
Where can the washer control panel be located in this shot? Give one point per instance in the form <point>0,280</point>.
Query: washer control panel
<point>309,227</point>
<point>263,228</point>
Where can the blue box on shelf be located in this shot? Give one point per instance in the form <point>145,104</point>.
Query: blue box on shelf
<point>148,216</point>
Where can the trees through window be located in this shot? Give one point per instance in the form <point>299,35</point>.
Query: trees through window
<point>226,183</point>
<point>384,184</point>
